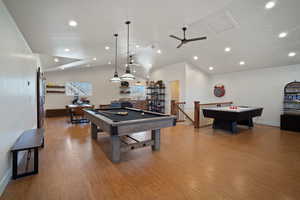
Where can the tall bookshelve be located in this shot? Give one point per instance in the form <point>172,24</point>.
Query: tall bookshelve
<point>156,96</point>
<point>291,107</point>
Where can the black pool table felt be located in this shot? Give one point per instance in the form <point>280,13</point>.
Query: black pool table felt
<point>132,115</point>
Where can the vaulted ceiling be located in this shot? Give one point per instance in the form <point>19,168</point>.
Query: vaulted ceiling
<point>250,30</point>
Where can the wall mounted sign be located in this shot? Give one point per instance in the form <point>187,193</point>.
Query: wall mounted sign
<point>219,90</point>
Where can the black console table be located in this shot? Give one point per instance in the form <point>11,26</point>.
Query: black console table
<point>29,141</point>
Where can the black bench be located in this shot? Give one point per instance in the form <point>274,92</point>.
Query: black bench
<point>30,140</point>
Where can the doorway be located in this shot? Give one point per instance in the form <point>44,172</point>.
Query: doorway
<point>175,90</point>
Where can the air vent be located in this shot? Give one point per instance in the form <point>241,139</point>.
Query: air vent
<point>221,22</point>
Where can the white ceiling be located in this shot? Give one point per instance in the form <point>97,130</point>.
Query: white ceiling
<point>244,25</point>
<point>52,62</point>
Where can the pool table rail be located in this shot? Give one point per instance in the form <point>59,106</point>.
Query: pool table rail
<point>131,126</point>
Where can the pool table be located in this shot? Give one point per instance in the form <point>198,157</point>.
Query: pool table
<point>229,117</point>
<point>120,126</point>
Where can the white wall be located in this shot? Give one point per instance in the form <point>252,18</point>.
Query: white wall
<point>17,98</point>
<point>103,90</point>
<point>170,73</point>
<point>262,87</point>
<point>259,87</point>
<point>197,86</point>
<point>194,84</point>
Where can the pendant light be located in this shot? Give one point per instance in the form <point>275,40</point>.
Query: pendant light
<point>116,78</point>
<point>127,76</point>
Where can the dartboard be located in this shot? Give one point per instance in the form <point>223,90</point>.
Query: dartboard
<point>219,90</point>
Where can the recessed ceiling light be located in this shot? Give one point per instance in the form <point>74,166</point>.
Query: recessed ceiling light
<point>67,50</point>
<point>56,60</point>
<point>158,51</point>
<point>282,35</point>
<point>269,5</point>
<point>72,23</point>
<point>242,63</point>
<point>109,62</point>
<point>95,58</point>
<point>227,49</point>
<point>107,48</point>
<point>195,57</point>
<point>150,65</point>
<point>292,54</point>
<point>211,68</point>
<point>137,46</point>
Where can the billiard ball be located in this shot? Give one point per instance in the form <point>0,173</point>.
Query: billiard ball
<point>142,113</point>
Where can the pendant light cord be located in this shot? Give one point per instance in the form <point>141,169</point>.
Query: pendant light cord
<point>116,60</point>
<point>127,68</point>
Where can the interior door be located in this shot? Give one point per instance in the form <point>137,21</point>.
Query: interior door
<point>40,88</point>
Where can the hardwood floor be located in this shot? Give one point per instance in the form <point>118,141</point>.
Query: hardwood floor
<point>262,163</point>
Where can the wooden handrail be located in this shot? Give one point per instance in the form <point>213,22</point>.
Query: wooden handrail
<point>175,107</point>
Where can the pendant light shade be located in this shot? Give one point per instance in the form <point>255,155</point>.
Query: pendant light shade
<point>128,76</point>
<point>116,78</point>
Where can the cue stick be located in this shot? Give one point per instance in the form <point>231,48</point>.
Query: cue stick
<point>115,113</point>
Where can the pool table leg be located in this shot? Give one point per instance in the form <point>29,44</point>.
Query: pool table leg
<point>250,123</point>
<point>94,131</point>
<point>155,135</point>
<point>115,148</point>
<point>234,127</point>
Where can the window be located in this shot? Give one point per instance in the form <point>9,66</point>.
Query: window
<point>78,89</point>
<point>138,91</point>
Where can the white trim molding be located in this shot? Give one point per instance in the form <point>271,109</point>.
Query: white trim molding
<point>5,180</point>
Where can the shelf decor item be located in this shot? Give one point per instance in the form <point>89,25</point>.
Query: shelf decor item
<point>124,87</point>
<point>156,96</point>
<point>55,88</point>
<point>291,107</point>
<point>219,90</point>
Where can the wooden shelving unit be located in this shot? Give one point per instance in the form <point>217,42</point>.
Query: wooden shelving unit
<point>124,88</point>
<point>291,107</point>
<point>56,89</point>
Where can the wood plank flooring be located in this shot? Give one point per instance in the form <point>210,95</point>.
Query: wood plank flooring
<point>261,163</point>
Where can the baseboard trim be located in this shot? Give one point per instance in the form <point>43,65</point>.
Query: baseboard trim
<point>8,174</point>
<point>5,180</point>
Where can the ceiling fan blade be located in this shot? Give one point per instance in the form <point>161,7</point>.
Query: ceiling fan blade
<point>175,37</point>
<point>180,45</point>
<point>196,39</point>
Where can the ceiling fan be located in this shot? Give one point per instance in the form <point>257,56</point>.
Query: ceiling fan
<point>184,40</point>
